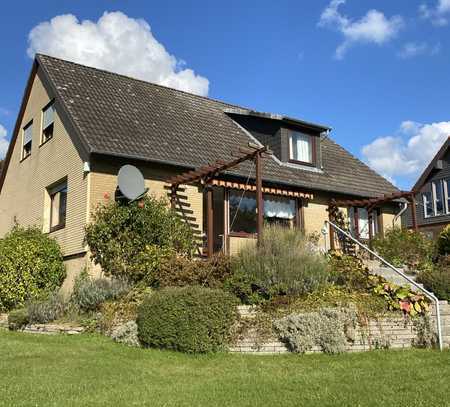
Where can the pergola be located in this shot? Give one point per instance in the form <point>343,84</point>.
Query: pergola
<point>205,176</point>
<point>371,203</point>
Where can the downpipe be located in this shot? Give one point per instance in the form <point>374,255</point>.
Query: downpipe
<point>427,293</point>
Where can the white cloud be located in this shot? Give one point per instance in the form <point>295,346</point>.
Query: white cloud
<point>4,143</point>
<point>374,27</point>
<point>409,151</point>
<point>414,49</point>
<point>116,43</point>
<point>439,14</point>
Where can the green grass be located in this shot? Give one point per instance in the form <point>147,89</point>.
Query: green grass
<point>89,370</point>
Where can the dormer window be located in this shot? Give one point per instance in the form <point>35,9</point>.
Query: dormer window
<point>48,119</point>
<point>27,140</point>
<point>301,148</point>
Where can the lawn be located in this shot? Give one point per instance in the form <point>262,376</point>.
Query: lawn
<point>89,370</point>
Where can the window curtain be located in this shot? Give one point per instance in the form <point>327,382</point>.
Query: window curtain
<point>363,223</point>
<point>301,147</point>
<point>279,208</point>
<point>48,116</point>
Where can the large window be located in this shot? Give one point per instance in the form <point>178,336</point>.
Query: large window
<point>242,213</point>
<point>27,140</point>
<point>300,147</point>
<point>48,119</point>
<point>436,202</point>
<point>58,206</point>
<point>438,192</point>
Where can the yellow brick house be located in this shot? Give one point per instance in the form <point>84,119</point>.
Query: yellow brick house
<point>78,125</point>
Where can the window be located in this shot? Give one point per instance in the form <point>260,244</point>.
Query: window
<point>427,204</point>
<point>447,195</point>
<point>58,206</point>
<point>27,140</point>
<point>438,194</point>
<point>363,222</point>
<point>48,118</point>
<point>301,147</point>
<point>242,211</point>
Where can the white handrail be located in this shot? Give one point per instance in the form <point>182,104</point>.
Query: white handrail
<point>429,294</point>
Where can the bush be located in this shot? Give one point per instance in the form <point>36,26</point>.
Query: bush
<point>41,312</point>
<point>403,247</point>
<point>285,262</point>
<point>89,293</point>
<point>31,266</point>
<point>329,329</point>
<point>18,319</point>
<point>188,319</point>
<point>349,271</point>
<point>180,271</point>
<point>437,278</point>
<point>443,242</point>
<point>124,239</point>
<point>126,334</point>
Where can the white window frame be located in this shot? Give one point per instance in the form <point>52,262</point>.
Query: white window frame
<point>292,134</point>
<point>425,202</point>
<point>434,186</point>
<point>446,197</point>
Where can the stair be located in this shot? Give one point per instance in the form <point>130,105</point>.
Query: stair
<point>390,275</point>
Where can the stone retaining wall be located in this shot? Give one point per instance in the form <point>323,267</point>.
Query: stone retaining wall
<point>389,332</point>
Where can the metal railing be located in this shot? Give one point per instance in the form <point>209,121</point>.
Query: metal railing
<point>427,293</point>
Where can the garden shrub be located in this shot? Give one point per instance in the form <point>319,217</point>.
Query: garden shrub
<point>348,271</point>
<point>403,247</point>
<point>31,266</point>
<point>126,334</point>
<point>43,311</point>
<point>437,278</point>
<point>328,329</point>
<point>89,293</point>
<point>180,271</point>
<point>126,240</point>
<point>18,319</point>
<point>187,319</point>
<point>443,242</point>
<point>285,263</point>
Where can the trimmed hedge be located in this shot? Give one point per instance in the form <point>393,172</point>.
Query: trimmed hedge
<point>187,319</point>
<point>31,266</point>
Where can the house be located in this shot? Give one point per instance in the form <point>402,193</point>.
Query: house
<point>78,125</point>
<point>432,195</point>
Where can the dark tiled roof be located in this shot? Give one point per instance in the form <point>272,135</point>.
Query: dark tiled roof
<point>120,116</point>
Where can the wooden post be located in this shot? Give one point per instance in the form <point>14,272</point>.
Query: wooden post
<point>356,221</point>
<point>370,216</point>
<point>413,212</point>
<point>173,197</point>
<point>259,198</point>
<point>209,221</point>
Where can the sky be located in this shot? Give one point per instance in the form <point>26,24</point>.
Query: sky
<point>376,71</point>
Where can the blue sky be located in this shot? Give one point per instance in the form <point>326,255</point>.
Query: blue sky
<point>376,71</point>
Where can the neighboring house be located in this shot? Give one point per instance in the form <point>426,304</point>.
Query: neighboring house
<point>78,125</point>
<point>432,195</point>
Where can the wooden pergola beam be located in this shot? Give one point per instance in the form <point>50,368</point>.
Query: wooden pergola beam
<point>375,201</point>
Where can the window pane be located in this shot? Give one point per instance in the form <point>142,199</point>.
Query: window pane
<point>277,210</point>
<point>48,116</point>
<point>427,204</point>
<point>58,206</point>
<point>363,223</point>
<point>439,197</point>
<point>28,134</point>
<point>242,212</point>
<point>448,195</point>
<point>301,147</point>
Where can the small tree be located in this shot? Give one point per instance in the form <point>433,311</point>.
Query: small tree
<point>31,266</point>
<point>126,240</point>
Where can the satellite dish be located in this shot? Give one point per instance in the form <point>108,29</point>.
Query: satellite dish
<point>131,182</point>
